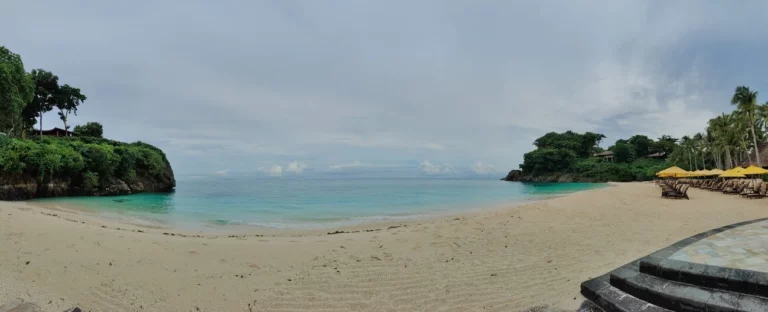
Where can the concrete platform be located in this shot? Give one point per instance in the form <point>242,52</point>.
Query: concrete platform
<point>719,270</point>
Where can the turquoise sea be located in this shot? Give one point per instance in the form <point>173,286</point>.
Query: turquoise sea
<point>216,202</point>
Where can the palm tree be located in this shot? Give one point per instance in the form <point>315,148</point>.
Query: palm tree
<point>699,146</point>
<point>746,101</point>
<point>761,112</point>
<point>740,135</point>
<point>685,145</point>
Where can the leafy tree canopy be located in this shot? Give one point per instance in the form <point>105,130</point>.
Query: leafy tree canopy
<point>67,99</point>
<point>546,160</point>
<point>642,145</point>
<point>624,151</point>
<point>16,89</point>
<point>91,129</point>
<point>582,145</point>
<point>572,153</point>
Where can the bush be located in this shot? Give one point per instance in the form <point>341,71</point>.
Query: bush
<point>90,180</point>
<point>91,162</point>
<point>597,170</point>
<point>91,129</point>
<point>545,160</point>
<point>624,152</point>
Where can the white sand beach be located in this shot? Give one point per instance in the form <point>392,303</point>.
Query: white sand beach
<point>507,259</point>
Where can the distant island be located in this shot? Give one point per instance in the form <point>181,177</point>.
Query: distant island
<point>730,140</point>
<point>59,162</point>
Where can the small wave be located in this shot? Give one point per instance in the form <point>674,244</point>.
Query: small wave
<point>274,225</point>
<point>223,222</point>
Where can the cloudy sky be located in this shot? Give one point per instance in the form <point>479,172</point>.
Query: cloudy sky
<point>435,87</point>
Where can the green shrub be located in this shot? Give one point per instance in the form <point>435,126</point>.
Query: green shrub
<point>126,168</point>
<point>545,160</point>
<point>598,170</point>
<point>85,160</point>
<point>90,180</point>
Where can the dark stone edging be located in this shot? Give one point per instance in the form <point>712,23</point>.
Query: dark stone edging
<point>593,288</point>
<point>731,279</point>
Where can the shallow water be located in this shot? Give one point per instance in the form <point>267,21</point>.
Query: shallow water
<point>304,203</point>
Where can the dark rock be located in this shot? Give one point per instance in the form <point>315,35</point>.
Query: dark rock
<point>519,176</point>
<point>22,187</point>
<point>514,175</point>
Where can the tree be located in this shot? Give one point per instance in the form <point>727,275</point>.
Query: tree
<point>67,99</point>
<point>746,101</point>
<point>545,160</point>
<point>666,144</point>
<point>583,145</point>
<point>623,151</point>
<point>643,145</point>
<point>91,129</point>
<point>46,88</point>
<point>16,90</point>
<point>698,147</point>
<point>590,143</point>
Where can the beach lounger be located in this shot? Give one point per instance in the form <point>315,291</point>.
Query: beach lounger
<point>761,193</point>
<point>749,189</point>
<point>683,193</point>
<point>736,189</point>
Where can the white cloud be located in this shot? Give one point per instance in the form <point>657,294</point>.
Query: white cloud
<point>354,164</point>
<point>296,167</point>
<point>275,171</point>
<point>430,168</point>
<point>480,168</point>
<point>222,172</point>
<point>426,87</point>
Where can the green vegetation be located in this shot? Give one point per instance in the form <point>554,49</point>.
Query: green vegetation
<point>16,90</point>
<point>90,129</point>
<point>730,140</point>
<point>25,97</point>
<point>86,162</point>
<point>571,154</point>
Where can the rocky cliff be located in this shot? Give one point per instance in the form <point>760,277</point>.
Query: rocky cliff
<point>519,176</point>
<point>21,187</point>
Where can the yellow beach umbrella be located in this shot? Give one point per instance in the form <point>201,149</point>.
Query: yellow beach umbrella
<point>716,171</point>
<point>732,174</point>
<point>673,171</point>
<point>736,169</point>
<point>708,173</point>
<point>754,170</point>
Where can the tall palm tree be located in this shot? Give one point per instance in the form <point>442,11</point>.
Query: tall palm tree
<point>700,146</point>
<point>740,135</point>
<point>685,145</point>
<point>746,101</point>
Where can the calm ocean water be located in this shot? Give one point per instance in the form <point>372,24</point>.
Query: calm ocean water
<point>215,202</point>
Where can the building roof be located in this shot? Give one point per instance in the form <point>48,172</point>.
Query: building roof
<point>53,130</point>
<point>763,156</point>
<point>656,155</point>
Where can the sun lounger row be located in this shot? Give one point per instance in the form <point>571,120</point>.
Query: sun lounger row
<point>674,190</point>
<point>747,188</point>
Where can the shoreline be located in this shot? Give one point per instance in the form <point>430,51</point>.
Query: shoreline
<point>89,216</point>
<point>507,259</point>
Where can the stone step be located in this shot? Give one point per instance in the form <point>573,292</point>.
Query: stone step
<point>611,299</point>
<point>730,279</point>
<point>679,296</point>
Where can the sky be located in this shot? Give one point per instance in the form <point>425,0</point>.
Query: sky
<point>430,87</point>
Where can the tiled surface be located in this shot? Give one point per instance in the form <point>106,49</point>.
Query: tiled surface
<point>744,247</point>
